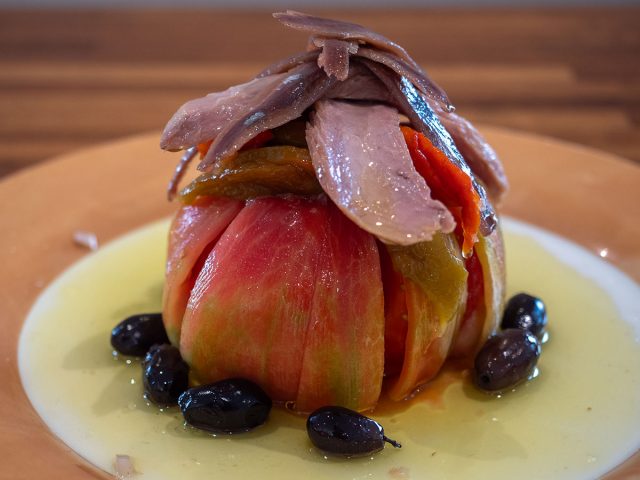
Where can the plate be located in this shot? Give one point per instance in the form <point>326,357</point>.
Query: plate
<point>588,196</point>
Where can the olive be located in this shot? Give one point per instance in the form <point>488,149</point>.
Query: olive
<point>228,406</point>
<point>135,335</point>
<point>506,359</point>
<point>165,375</point>
<point>340,431</point>
<point>525,312</point>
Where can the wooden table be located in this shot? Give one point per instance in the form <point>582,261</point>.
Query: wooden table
<point>74,78</point>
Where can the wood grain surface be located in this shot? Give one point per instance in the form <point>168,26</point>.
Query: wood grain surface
<point>73,78</point>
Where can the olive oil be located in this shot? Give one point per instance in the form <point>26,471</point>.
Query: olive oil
<point>577,419</point>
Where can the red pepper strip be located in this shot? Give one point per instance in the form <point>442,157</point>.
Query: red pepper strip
<point>448,184</point>
<point>256,142</point>
<point>203,148</point>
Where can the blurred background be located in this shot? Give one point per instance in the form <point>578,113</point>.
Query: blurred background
<point>308,3</point>
<point>77,72</point>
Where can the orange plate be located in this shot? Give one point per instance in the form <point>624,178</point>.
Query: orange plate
<point>588,196</point>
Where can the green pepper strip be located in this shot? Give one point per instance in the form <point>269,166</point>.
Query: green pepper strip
<point>256,173</point>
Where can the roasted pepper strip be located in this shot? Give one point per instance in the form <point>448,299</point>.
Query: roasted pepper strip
<point>448,184</point>
<point>203,148</point>
<point>258,172</point>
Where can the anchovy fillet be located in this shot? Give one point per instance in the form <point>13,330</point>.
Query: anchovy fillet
<point>345,61</point>
<point>300,89</point>
<point>325,27</point>
<point>362,162</point>
<point>288,63</point>
<point>202,119</point>
<point>334,58</point>
<point>422,116</point>
<point>417,76</point>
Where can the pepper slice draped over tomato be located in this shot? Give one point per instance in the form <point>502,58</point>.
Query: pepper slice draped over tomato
<point>448,184</point>
<point>257,172</point>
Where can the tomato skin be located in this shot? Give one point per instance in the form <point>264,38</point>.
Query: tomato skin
<point>287,296</point>
<point>194,231</point>
<point>475,283</point>
<point>472,323</point>
<point>395,314</point>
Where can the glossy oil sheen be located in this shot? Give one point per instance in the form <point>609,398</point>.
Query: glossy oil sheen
<point>576,420</point>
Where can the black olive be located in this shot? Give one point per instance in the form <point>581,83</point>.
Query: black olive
<point>340,431</point>
<point>506,359</point>
<point>228,406</point>
<point>525,312</point>
<point>165,375</point>
<point>135,335</point>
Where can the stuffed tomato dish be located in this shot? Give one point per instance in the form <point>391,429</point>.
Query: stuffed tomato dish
<point>341,241</point>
